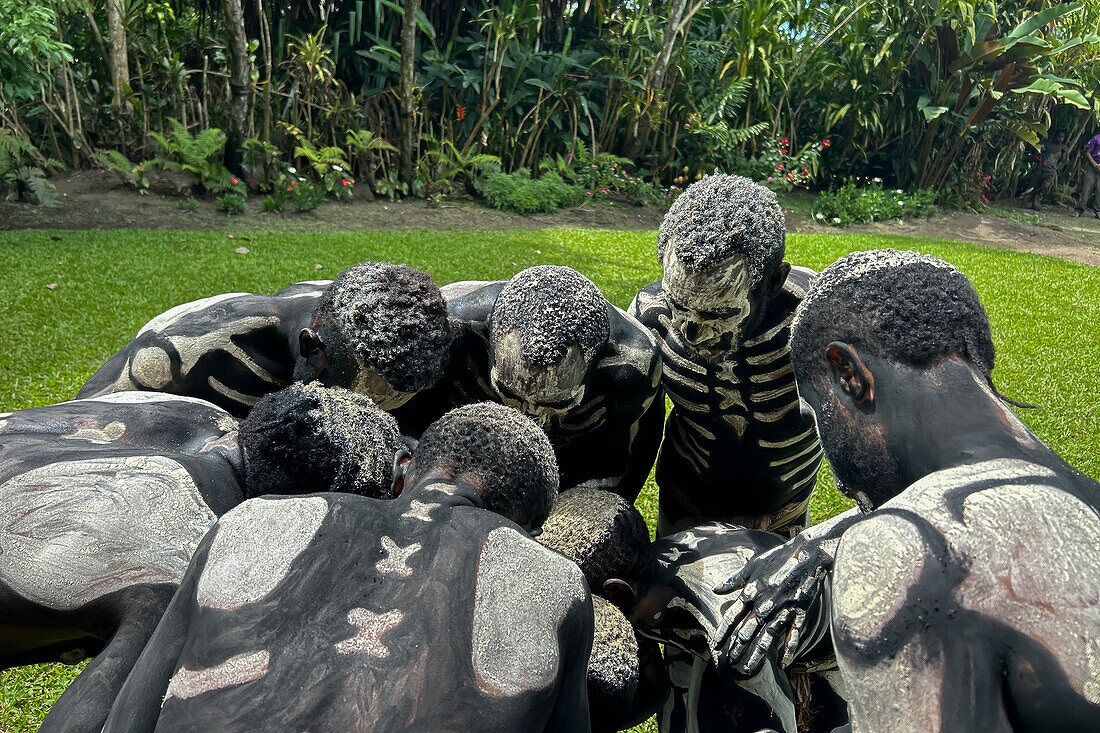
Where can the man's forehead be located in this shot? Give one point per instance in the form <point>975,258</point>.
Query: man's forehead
<point>725,281</point>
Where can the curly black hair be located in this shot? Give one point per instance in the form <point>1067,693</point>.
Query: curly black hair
<point>613,666</point>
<point>510,456</point>
<point>722,215</point>
<point>385,317</point>
<point>307,437</point>
<point>898,304</point>
<point>552,308</point>
<point>600,531</point>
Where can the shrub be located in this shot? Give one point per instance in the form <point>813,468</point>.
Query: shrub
<point>21,171</point>
<point>307,195</point>
<point>522,194</point>
<point>188,204</point>
<point>232,203</point>
<point>852,203</point>
<point>780,169</point>
<point>195,154</point>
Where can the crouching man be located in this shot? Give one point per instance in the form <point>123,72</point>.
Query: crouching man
<point>549,344</point>
<point>103,501</point>
<point>377,329</point>
<point>968,597</point>
<point>434,611</point>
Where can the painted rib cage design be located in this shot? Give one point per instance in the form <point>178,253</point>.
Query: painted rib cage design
<point>228,349</point>
<point>752,394</point>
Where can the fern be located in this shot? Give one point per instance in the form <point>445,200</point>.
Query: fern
<point>180,150</point>
<point>20,174</point>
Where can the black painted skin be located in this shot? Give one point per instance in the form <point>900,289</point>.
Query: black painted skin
<point>265,328</point>
<point>425,682</point>
<point>730,477</point>
<point>675,604</point>
<point>113,626</point>
<point>613,451</point>
<point>931,430</point>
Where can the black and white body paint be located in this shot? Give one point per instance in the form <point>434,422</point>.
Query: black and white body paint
<point>102,503</point>
<point>229,349</point>
<point>678,607</point>
<point>599,409</point>
<point>739,445</point>
<point>971,601</point>
<point>423,613</point>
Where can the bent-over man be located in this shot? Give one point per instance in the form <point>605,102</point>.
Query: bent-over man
<point>433,611</point>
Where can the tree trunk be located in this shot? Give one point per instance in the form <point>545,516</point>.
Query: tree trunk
<point>408,92</point>
<point>118,61</point>
<point>240,82</point>
<point>657,75</point>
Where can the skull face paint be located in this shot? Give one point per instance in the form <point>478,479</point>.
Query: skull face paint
<point>374,385</point>
<point>541,393</point>
<point>711,309</point>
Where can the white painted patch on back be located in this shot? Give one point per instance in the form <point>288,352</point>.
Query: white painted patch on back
<point>174,314</point>
<point>368,639</point>
<point>254,547</point>
<point>75,531</point>
<point>100,436</point>
<point>135,397</point>
<point>394,563</point>
<point>187,683</point>
<point>420,510</point>
<point>522,594</point>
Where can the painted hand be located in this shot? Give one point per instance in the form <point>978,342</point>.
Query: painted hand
<point>777,589</point>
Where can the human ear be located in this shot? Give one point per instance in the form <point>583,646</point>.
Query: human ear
<point>401,461</point>
<point>850,372</point>
<point>619,592</point>
<point>779,277</point>
<point>309,342</point>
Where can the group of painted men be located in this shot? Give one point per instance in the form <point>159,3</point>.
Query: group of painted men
<point>376,504</point>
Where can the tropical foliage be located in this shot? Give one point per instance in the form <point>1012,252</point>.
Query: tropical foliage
<point>925,94</point>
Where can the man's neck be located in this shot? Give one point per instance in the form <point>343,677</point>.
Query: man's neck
<point>956,419</point>
<point>437,486</point>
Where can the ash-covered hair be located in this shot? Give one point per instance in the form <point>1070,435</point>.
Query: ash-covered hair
<point>898,304</point>
<point>389,318</point>
<point>552,308</point>
<point>510,456</point>
<point>719,216</point>
<point>307,438</point>
<point>600,531</point>
<point>613,667</point>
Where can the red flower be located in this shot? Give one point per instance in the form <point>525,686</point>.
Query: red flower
<point>824,144</point>
<point>783,151</point>
<point>806,171</point>
<point>784,141</point>
<point>779,166</point>
<point>142,169</point>
<point>235,181</point>
<point>461,112</point>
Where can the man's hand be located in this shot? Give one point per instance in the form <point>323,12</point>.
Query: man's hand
<point>777,590</point>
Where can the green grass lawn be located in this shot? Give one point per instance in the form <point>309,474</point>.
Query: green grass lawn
<point>1044,313</point>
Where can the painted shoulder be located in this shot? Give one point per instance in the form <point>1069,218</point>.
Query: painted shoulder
<point>631,345</point>
<point>305,289</point>
<point>254,546</point>
<point>648,304</point>
<point>470,303</point>
<point>523,595</point>
<point>77,530</point>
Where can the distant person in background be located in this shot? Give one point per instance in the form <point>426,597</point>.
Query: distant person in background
<point>1090,182</point>
<point>1051,157</point>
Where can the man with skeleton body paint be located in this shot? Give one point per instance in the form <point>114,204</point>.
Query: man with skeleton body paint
<point>103,500</point>
<point>378,329</point>
<point>966,594</point>
<point>549,344</point>
<point>738,446</point>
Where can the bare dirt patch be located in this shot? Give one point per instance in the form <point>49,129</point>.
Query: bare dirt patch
<point>96,200</point>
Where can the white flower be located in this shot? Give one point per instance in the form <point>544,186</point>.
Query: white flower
<point>819,216</point>
<point>899,191</point>
<point>292,170</point>
<point>878,180</point>
<point>836,219</point>
<point>337,168</point>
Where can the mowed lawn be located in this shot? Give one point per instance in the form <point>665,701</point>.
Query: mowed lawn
<point>1044,314</point>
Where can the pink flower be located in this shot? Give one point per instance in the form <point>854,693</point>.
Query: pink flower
<point>824,144</point>
<point>142,169</point>
<point>235,181</point>
<point>784,141</point>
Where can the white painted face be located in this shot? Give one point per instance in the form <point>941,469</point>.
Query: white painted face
<point>375,386</point>
<point>540,393</point>
<point>709,309</point>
